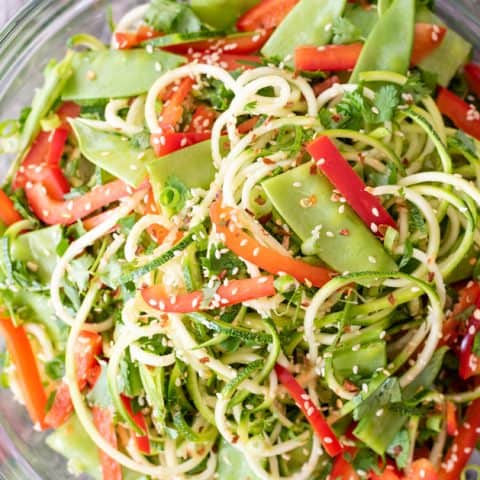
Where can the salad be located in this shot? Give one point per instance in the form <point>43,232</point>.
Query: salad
<point>242,241</point>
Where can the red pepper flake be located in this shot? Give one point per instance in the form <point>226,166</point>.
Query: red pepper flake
<point>313,169</point>
<point>204,360</point>
<point>391,299</point>
<point>344,232</point>
<point>267,161</point>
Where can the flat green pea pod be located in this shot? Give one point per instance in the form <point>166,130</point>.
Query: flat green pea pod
<point>328,228</point>
<point>220,13</point>
<point>116,73</point>
<point>389,45</point>
<point>193,166</point>
<point>112,152</point>
<point>309,23</point>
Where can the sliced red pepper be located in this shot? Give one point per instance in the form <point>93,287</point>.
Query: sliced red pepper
<point>331,162</point>
<point>8,214</point>
<point>469,362</point>
<point>246,43</point>
<point>103,419</point>
<point>66,111</point>
<point>344,469</point>
<point>452,424</point>
<point>247,125</point>
<point>327,58</point>
<point>428,38</point>
<point>42,162</point>
<point>87,349</point>
<point>464,115</point>
<point>388,474</point>
<point>173,109</point>
<point>126,40</point>
<point>453,328</point>
<point>143,441</point>
<point>237,291</point>
<point>56,212</point>
<point>463,444</point>
<point>320,87</point>
<point>203,119</point>
<point>327,437</point>
<point>165,143</point>
<point>421,469</point>
<point>267,14</point>
<point>227,61</point>
<point>472,75</point>
<point>26,370</point>
<point>247,247</point>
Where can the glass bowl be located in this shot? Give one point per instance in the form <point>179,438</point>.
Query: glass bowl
<point>36,34</point>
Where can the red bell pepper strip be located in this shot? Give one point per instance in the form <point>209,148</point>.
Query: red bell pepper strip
<point>226,61</point>
<point>103,419</point>
<point>452,424</point>
<point>472,75</point>
<point>173,109</point>
<point>453,328</point>
<point>266,258</point>
<point>42,162</point>
<point>27,373</point>
<point>126,40</point>
<point>56,212</point>
<point>421,469</point>
<point>344,57</point>
<point>267,14</point>
<point>165,143</point>
<point>469,362</point>
<point>327,437</point>
<point>87,349</point>
<point>331,162</point>
<point>237,291</point>
<point>247,125</point>
<point>428,38</point>
<point>463,444</point>
<point>320,87</point>
<point>66,111</point>
<point>203,119</point>
<point>464,115</point>
<point>143,441</point>
<point>8,214</point>
<point>387,474</point>
<point>344,469</point>
<point>246,43</point>
<point>327,58</point>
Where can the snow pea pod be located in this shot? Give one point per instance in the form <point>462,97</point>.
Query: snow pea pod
<point>116,73</point>
<point>341,240</point>
<point>309,23</point>
<point>56,76</point>
<point>193,166</point>
<point>383,50</point>
<point>112,152</point>
<point>220,13</point>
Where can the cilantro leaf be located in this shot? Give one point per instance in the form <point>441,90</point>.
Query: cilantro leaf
<point>221,260</point>
<point>78,271</point>
<point>168,16</point>
<point>386,101</point>
<point>55,369</point>
<point>344,31</point>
